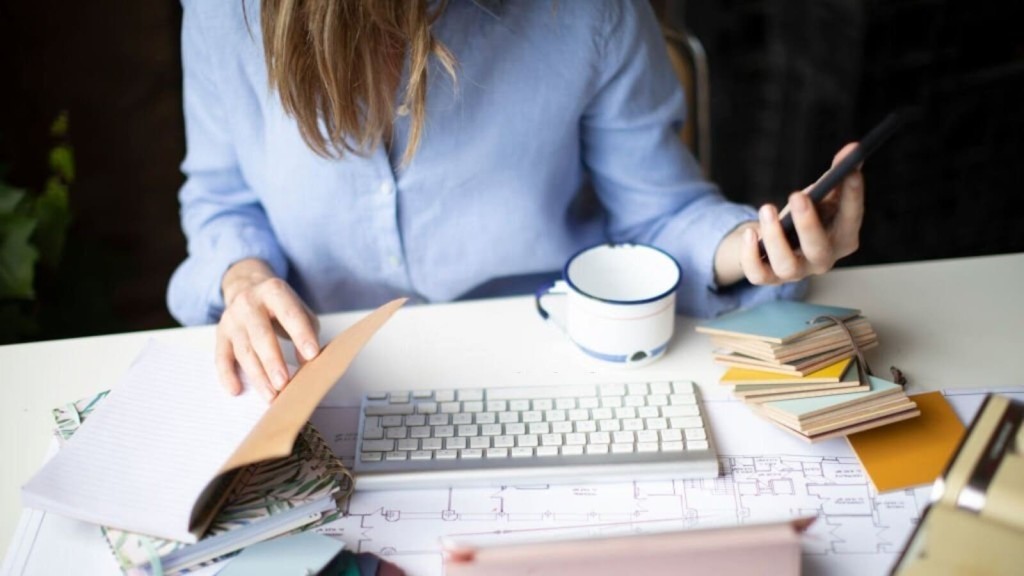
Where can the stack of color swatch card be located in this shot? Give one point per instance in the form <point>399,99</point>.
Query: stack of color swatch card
<point>797,368</point>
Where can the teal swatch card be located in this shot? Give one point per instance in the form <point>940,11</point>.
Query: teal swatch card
<point>778,321</point>
<point>806,407</point>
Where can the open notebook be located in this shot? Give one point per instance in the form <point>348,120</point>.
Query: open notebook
<point>168,476</point>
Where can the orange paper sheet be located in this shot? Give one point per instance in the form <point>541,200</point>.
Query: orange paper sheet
<point>912,452</point>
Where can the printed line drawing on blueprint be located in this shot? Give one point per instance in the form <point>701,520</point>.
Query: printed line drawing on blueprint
<point>857,531</point>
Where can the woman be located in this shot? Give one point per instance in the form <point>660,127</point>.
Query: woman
<point>342,153</point>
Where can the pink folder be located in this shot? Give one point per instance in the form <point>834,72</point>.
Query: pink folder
<point>738,550</point>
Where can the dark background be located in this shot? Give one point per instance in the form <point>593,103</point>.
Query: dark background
<point>791,81</point>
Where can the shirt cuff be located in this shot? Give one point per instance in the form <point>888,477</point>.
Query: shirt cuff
<point>194,295</point>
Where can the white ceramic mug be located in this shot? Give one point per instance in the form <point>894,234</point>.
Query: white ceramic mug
<point>620,302</point>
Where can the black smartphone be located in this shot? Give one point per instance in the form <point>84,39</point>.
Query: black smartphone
<point>867,145</point>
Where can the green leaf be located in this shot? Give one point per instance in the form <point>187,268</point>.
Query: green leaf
<point>17,256</point>
<point>10,198</point>
<point>59,128</point>
<point>53,216</point>
<point>62,162</point>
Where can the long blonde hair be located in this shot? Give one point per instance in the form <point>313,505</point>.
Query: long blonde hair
<point>337,65</point>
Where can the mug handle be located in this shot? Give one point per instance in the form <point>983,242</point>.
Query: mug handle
<point>554,288</point>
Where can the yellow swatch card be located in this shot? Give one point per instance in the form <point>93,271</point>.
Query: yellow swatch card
<point>912,452</point>
<point>741,376</point>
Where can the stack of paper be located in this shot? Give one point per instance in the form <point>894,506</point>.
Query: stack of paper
<point>800,370</point>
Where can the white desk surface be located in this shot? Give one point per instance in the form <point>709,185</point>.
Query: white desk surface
<point>946,324</point>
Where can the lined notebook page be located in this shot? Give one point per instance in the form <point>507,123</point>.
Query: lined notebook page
<point>142,459</point>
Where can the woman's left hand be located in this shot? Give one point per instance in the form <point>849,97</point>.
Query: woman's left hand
<point>826,234</point>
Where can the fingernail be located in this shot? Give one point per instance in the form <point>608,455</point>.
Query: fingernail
<point>309,350</point>
<point>280,379</point>
<point>749,236</point>
<point>765,213</point>
<point>266,394</point>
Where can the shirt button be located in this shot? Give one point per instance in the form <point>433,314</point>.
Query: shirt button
<point>387,189</point>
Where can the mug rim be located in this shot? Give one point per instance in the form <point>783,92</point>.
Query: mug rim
<point>575,288</point>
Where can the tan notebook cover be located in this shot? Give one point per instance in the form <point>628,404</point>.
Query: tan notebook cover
<point>975,524</point>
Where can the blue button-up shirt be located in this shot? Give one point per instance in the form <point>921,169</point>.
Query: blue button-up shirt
<point>560,132</point>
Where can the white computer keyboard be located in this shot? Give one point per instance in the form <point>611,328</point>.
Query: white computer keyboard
<point>538,434</point>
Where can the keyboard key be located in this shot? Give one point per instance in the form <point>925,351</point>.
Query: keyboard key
<point>637,388</point>
<point>455,443</point>
<point>674,446</point>
<point>378,445</point>
<point>421,455</point>
<point>415,420</point>
<point>547,451</point>
<point>419,432</point>
<point>679,410</point>
<point>391,421</point>
<point>515,428</point>
<point>623,437</point>
<point>623,413</point>
<point>656,423</point>
<point>633,424</point>
<point>439,419</point>
<point>446,454</point>
<point>522,452</point>
<point>575,439</point>
<point>471,453</point>
<point>497,406</point>
<point>660,388</point>
<point>376,395</point>
<point>647,436</point>
<point>392,456</point>
<point>480,442</point>
<point>462,418</point>
<point>409,444</point>
<point>540,428</point>
<point>657,400</point>
<point>398,397</point>
<point>469,430</point>
<point>551,440</point>
<point>682,387</point>
<point>574,450</point>
<point>387,409</point>
<point>444,431</point>
<point>470,394</point>
<point>565,403</point>
<point>370,456</point>
<point>431,443</point>
<point>561,427</point>
<point>505,417</point>
<point>497,453</point>
<point>503,441</point>
<point>422,394</point>
<point>647,447</point>
<point>585,426</point>
<point>485,418</point>
<point>527,440</point>
<point>426,407</point>
<point>698,445</point>
<point>695,434</point>
<point>622,448</point>
<point>543,404</point>
<point>611,402</point>
<point>450,407</point>
<point>490,429</point>
<point>473,406</point>
<point>600,438</point>
<point>533,416</point>
<point>636,401</point>
<point>597,449</point>
<point>613,390</point>
<point>396,433</point>
<point>670,435</point>
<point>444,395</point>
<point>554,415</point>
<point>609,425</point>
<point>677,399</point>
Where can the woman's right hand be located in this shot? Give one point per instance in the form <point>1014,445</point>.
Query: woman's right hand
<point>259,305</point>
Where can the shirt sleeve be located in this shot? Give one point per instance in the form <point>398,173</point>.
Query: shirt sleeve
<point>648,182</point>
<point>222,218</point>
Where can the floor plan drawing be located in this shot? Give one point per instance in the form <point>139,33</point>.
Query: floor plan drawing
<point>856,531</point>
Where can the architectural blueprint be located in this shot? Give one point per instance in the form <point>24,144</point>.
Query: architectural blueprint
<point>766,476</point>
